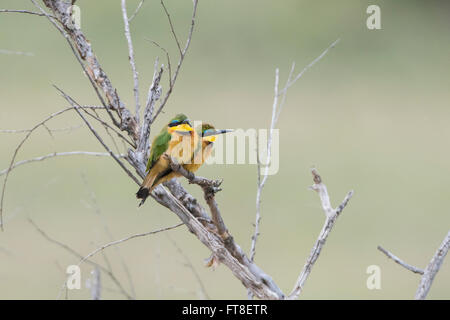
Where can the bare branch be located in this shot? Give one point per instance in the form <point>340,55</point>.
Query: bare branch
<point>58,154</point>
<point>71,128</point>
<point>97,210</point>
<point>400,262</point>
<point>154,93</point>
<point>172,28</point>
<point>262,182</point>
<point>24,11</point>
<point>83,52</point>
<point>76,54</point>
<point>113,243</point>
<point>107,126</point>
<point>19,53</point>
<point>75,253</point>
<point>136,11</point>
<point>298,76</point>
<point>169,65</point>
<point>131,59</point>
<point>190,266</point>
<point>180,62</point>
<point>253,278</point>
<point>40,124</point>
<point>277,106</point>
<point>432,269</point>
<point>77,109</point>
<point>331,217</point>
<point>291,81</point>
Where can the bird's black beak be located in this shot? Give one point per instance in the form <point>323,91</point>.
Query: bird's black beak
<point>216,132</point>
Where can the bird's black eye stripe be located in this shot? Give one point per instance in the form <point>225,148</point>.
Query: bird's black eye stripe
<point>174,123</point>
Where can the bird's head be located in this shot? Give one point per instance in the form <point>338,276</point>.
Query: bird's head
<point>209,133</point>
<point>180,124</point>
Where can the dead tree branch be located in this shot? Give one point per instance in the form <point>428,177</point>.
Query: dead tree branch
<point>75,253</point>
<point>116,242</point>
<point>24,11</point>
<point>430,271</point>
<point>182,56</point>
<point>189,264</point>
<point>58,154</point>
<point>91,65</point>
<point>126,22</point>
<point>400,261</point>
<point>331,217</point>
<point>277,106</point>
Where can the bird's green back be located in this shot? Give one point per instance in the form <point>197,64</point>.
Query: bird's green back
<point>159,146</point>
<point>161,142</point>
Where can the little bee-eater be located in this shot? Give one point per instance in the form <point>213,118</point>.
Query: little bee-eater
<point>170,141</point>
<point>208,136</point>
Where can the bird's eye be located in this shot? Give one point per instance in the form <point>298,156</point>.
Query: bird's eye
<point>187,122</point>
<point>206,131</point>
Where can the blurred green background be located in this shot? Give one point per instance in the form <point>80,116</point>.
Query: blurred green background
<point>372,116</point>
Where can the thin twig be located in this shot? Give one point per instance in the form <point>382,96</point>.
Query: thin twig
<point>24,11</point>
<point>400,261</point>
<point>19,53</point>
<point>71,128</point>
<point>58,154</point>
<point>75,253</point>
<point>262,182</point>
<point>106,125</point>
<point>77,109</point>
<point>180,62</point>
<point>190,266</point>
<point>113,243</point>
<point>19,146</point>
<point>299,75</point>
<point>136,11</point>
<point>277,106</point>
<point>131,59</point>
<point>108,232</point>
<point>169,65</point>
<point>172,28</point>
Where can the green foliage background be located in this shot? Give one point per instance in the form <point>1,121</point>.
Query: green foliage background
<point>373,116</point>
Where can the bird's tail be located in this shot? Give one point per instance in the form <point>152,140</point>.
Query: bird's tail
<point>144,190</point>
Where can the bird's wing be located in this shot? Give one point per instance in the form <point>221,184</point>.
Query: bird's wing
<point>159,146</point>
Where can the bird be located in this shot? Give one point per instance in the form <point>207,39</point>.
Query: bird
<point>208,135</point>
<point>170,141</point>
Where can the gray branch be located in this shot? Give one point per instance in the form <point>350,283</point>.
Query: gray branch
<point>432,269</point>
<point>126,22</point>
<point>400,261</point>
<point>92,66</point>
<point>58,154</point>
<point>331,217</point>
